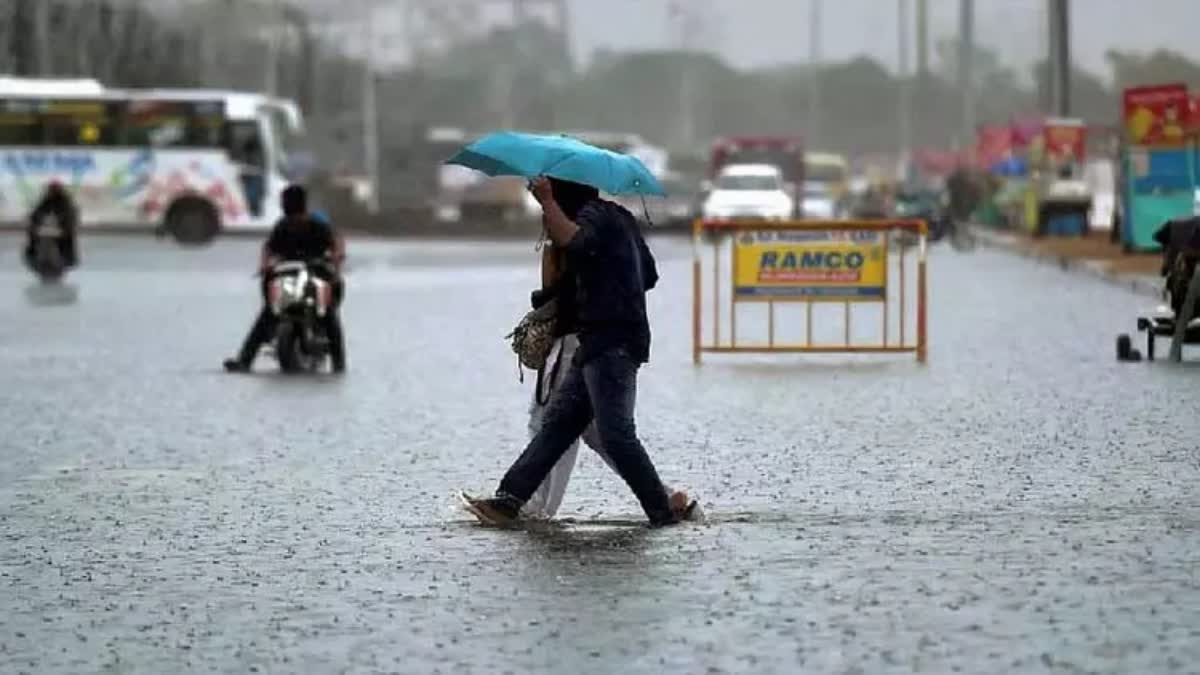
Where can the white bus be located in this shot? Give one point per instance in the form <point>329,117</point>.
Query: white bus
<point>192,163</point>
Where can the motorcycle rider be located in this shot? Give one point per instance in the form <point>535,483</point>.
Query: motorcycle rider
<point>56,202</point>
<point>297,236</point>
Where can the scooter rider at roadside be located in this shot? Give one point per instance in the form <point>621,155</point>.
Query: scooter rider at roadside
<point>301,237</point>
<point>56,203</point>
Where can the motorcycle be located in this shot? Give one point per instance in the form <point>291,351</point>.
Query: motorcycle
<point>300,301</point>
<point>46,258</point>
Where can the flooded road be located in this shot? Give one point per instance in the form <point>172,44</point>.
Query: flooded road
<point>1023,503</point>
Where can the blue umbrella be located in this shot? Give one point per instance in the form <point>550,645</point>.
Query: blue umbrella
<point>510,153</point>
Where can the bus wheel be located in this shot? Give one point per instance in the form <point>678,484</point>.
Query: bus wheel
<point>192,220</point>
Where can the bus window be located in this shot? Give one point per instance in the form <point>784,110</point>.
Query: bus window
<point>72,131</point>
<point>19,123</point>
<point>20,131</point>
<point>160,131</point>
<point>72,123</point>
<point>173,124</point>
<point>206,132</point>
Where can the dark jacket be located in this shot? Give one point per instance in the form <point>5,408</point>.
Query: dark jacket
<point>566,317</point>
<point>612,268</point>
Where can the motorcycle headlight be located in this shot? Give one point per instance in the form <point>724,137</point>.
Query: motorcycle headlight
<point>290,290</point>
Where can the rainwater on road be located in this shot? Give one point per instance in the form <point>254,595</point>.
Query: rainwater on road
<point>1023,503</point>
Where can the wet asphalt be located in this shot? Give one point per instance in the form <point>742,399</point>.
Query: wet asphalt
<point>1023,503</point>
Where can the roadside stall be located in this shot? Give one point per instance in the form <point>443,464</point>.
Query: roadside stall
<point>1064,196</point>
<point>1158,162</point>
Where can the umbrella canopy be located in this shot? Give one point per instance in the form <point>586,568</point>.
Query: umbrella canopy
<point>510,153</point>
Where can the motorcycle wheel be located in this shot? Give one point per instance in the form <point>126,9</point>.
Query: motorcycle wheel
<point>289,349</point>
<point>47,261</point>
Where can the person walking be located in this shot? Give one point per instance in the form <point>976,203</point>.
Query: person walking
<point>558,285</point>
<point>612,268</point>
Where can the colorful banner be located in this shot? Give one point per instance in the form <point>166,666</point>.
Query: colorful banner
<point>994,145</point>
<point>937,162</point>
<point>1066,140</point>
<point>1025,130</point>
<point>1193,123</point>
<point>817,266</point>
<point>1156,115</point>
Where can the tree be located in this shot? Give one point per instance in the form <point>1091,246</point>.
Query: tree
<point>1091,99</point>
<point>1131,69</point>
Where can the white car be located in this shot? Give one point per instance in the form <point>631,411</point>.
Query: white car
<point>752,191</point>
<point>818,202</point>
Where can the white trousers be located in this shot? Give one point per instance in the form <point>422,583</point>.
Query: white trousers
<point>546,499</point>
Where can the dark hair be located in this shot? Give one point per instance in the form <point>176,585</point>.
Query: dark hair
<point>294,200</point>
<point>572,197</point>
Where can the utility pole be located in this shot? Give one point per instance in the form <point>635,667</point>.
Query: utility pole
<point>271,63</point>
<point>687,22</point>
<point>370,111</point>
<point>41,38</point>
<point>905,85</point>
<point>1059,64</point>
<point>813,130</point>
<point>923,38</point>
<point>966,69</point>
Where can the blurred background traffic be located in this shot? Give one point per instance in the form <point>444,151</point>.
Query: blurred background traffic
<point>1006,113</point>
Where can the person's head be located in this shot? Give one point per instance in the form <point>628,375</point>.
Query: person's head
<point>294,200</point>
<point>55,188</point>
<point>572,197</point>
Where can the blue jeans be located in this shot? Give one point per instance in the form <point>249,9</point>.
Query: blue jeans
<point>604,388</point>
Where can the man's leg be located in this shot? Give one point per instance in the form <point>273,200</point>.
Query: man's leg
<point>69,248</point>
<point>611,380</point>
<point>337,344</point>
<point>263,329</point>
<point>262,332</point>
<point>333,323</point>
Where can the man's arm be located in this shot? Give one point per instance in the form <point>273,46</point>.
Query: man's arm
<point>339,251</point>
<point>558,225</point>
<point>264,257</point>
<point>267,254</point>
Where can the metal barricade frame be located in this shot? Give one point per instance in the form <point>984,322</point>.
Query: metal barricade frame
<point>733,228</point>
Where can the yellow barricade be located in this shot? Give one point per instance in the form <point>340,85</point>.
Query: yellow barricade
<point>860,266</point>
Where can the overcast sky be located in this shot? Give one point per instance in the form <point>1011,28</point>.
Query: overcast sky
<point>752,33</point>
<point>761,32</point>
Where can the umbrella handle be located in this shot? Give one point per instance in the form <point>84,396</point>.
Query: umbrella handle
<point>646,210</point>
